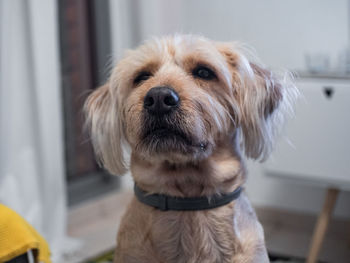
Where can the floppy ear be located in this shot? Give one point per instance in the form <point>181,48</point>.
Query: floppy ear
<point>263,99</point>
<point>272,85</point>
<point>104,123</point>
<point>261,116</point>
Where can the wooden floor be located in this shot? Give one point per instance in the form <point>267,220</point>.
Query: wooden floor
<point>96,223</point>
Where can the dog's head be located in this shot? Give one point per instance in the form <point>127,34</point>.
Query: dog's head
<point>178,99</point>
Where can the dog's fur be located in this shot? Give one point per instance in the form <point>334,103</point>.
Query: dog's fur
<point>219,121</point>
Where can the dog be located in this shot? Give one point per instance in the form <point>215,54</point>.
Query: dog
<point>189,111</point>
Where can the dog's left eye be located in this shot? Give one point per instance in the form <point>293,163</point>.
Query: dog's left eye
<point>203,73</point>
<point>142,76</point>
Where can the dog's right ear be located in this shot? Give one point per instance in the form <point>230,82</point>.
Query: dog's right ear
<point>104,123</point>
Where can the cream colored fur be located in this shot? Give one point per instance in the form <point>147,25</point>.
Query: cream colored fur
<point>237,114</point>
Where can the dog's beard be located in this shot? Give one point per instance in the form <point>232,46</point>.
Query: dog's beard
<point>166,135</point>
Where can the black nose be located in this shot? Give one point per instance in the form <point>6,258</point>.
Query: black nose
<point>161,100</point>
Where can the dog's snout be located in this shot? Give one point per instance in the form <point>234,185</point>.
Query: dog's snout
<point>161,100</point>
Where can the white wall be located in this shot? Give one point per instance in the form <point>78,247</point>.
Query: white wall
<point>281,32</point>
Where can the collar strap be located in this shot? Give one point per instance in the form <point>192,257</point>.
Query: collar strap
<point>165,202</point>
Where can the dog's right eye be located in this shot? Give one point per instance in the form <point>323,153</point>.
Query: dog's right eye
<point>142,76</point>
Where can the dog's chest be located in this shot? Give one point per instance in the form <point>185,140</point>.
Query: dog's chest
<point>192,237</point>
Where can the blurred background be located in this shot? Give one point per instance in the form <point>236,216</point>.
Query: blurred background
<point>53,52</point>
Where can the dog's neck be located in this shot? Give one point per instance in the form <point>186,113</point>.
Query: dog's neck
<point>222,172</point>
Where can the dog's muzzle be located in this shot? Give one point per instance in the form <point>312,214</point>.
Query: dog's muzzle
<point>160,111</point>
<point>163,123</point>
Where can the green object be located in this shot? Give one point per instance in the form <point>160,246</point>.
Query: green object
<point>105,258</point>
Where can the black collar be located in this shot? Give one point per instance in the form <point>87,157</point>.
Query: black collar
<point>165,202</point>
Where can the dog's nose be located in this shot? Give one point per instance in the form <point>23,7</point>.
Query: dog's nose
<point>161,100</point>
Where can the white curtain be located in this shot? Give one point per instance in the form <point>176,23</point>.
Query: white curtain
<point>31,138</point>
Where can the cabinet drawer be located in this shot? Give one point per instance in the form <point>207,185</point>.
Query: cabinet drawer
<point>316,145</point>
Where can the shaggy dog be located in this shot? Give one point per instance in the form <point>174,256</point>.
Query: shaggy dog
<point>190,110</point>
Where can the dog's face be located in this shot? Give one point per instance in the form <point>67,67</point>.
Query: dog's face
<point>179,99</point>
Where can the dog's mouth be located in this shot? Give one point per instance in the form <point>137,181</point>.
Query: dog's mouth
<point>167,135</point>
<point>164,139</point>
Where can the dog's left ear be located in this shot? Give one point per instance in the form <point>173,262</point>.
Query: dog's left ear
<point>263,99</point>
<point>271,86</point>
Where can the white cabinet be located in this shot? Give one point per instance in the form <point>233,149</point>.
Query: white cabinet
<point>318,150</point>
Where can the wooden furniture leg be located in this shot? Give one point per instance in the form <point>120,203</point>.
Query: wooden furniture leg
<point>322,224</point>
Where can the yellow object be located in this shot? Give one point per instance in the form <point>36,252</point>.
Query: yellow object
<point>17,237</point>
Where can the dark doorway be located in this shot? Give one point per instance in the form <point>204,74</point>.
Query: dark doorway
<point>85,55</point>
